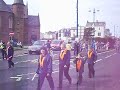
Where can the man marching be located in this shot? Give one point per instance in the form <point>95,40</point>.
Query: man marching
<point>91,61</point>
<point>45,69</point>
<point>64,64</point>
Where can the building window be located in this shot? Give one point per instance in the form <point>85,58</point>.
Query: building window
<point>99,34</point>
<point>10,22</point>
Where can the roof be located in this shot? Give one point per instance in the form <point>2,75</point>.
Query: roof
<point>4,7</point>
<point>10,6</point>
<point>33,20</point>
<point>18,2</point>
<point>90,24</point>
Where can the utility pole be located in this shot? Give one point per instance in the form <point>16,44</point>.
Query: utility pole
<point>114,30</point>
<point>77,18</point>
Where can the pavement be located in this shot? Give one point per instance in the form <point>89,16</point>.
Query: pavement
<point>107,76</point>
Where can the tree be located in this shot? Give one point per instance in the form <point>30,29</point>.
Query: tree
<point>88,34</point>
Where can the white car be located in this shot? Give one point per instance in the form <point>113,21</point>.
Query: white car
<point>35,48</point>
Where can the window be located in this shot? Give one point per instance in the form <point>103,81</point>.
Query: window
<point>99,34</point>
<point>99,28</point>
<point>10,22</point>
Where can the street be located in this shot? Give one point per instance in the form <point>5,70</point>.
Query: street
<point>20,77</point>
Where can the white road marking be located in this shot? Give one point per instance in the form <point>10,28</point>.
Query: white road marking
<point>98,60</point>
<point>110,55</point>
<point>105,52</point>
<point>35,60</point>
<point>17,78</point>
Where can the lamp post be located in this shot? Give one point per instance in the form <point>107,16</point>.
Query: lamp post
<point>94,14</point>
<point>77,18</point>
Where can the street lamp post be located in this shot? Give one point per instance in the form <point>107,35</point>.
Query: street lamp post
<point>94,14</point>
<point>77,18</point>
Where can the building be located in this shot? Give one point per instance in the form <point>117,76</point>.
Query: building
<point>100,29</point>
<point>50,35</point>
<point>71,32</point>
<point>80,32</point>
<point>15,19</point>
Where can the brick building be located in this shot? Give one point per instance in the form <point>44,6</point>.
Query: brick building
<point>14,18</point>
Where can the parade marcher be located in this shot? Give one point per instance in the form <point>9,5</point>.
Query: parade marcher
<point>68,46</point>
<point>44,68</point>
<point>80,61</point>
<point>91,60</point>
<point>10,53</point>
<point>76,48</point>
<point>3,50</point>
<point>48,45</point>
<point>64,64</point>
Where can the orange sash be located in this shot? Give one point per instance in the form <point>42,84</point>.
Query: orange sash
<point>62,53</point>
<point>79,63</point>
<point>90,53</point>
<point>41,61</point>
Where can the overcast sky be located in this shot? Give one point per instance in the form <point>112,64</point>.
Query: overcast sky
<point>57,14</point>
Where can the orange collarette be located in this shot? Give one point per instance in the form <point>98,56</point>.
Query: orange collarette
<point>41,61</point>
<point>90,53</point>
<point>79,63</point>
<point>62,54</point>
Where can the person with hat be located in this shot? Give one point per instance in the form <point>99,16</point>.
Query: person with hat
<point>91,60</point>
<point>64,64</point>
<point>44,68</point>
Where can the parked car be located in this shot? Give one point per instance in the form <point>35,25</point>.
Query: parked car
<point>19,44</point>
<point>55,45</point>
<point>35,48</point>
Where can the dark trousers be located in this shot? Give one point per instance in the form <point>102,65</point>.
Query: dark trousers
<point>10,63</point>
<point>79,78</point>
<point>4,54</point>
<point>64,70</point>
<point>91,70</point>
<point>41,80</point>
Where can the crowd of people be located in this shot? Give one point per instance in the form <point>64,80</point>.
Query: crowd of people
<point>82,56</point>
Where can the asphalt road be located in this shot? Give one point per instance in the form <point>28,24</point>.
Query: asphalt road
<point>107,76</point>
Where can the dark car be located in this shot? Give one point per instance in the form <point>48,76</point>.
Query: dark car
<point>35,48</point>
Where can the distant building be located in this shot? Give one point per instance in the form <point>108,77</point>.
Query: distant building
<point>100,28</point>
<point>50,35</point>
<point>15,19</point>
<point>71,32</point>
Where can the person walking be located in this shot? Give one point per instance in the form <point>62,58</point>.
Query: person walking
<point>91,61</point>
<point>10,53</point>
<point>3,50</point>
<point>64,65</point>
<point>80,61</point>
<point>76,48</point>
<point>48,45</point>
<point>44,68</point>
